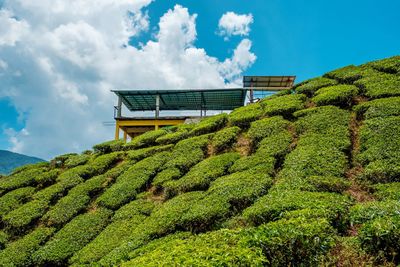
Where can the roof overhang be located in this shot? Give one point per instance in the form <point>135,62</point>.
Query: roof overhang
<point>268,83</point>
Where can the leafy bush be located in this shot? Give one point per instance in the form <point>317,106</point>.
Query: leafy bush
<point>109,146</point>
<point>243,116</point>
<point>172,138</point>
<point>283,105</point>
<point>254,161</point>
<point>72,237</point>
<point>225,138</point>
<point>210,124</point>
<point>134,208</point>
<point>337,138</point>
<point>339,95</point>
<point>25,177</point>
<point>389,65</point>
<point>19,252</point>
<point>14,199</point>
<point>380,85</point>
<point>384,107</point>
<point>24,215</point>
<point>145,140</point>
<point>166,175</point>
<point>364,212</point>
<point>139,154</point>
<point>276,145</point>
<point>311,86</point>
<point>349,74</point>
<point>76,160</point>
<point>293,242</point>
<point>54,191</point>
<point>200,176</point>
<point>329,183</point>
<point>387,191</point>
<point>267,127</point>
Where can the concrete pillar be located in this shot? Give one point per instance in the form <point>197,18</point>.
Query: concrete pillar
<point>119,111</point>
<point>157,106</point>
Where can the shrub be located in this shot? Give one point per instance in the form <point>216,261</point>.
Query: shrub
<point>387,191</point>
<point>389,65</point>
<point>349,74</point>
<point>329,183</point>
<point>14,199</point>
<point>76,160</point>
<point>72,237</point>
<point>38,165</point>
<point>25,177</point>
<point>293,242</point>
<point>311,86</point>
<point>283,105</point>
<point>382,235</point>
<point>166,175</point>
<point>54,191</point>
<point>243,116</point>
<point>266,127</point>
<point>210,124</point>
<point>276,145</point>
<point>254,161</point>
<point>225,138</point>
<point>339,95</point>
<point>200,176</point>
<point>139,154</point>
<point>134,208</point>
<point>19,252</point>
<point>24,215</point>
<point>380,85</point>
<point>172,138</point>
<point>336,138</point>
<point>145,140</point>
<point>364,212</point>
<point>384,107</point>
<point>109,146</point>
<point>3,239</point>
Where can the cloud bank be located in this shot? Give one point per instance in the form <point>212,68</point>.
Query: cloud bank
<point>59,59</point>
<point>234,24</point>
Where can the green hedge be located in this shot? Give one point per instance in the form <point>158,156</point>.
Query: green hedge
<point>200,176</point>
<point>389,65</point>
<point>134,208</point>
<point>109,146</point>
<point>329,183</point>
<point>145,140</point>
<point>267,127</point>
<point>243,116</point>
<point>253,161</point>
<point>172,138</point>
<point>276,145</point>
<point>4,237</point>
<point>139,154</point>
<point>166,175</point>
<point>76,160</point>
<point>15,199</point>
<point>311,86</point>
<point>380,85</point>
<point>338,138</point>
<point>349,74</point>
<point>25,177</point>
<point>338,95</point>
<point>25,215</point>
<point>364,212</point>
<point>72,237</point>
<point>19,252</point>
<point>384,107</point>
<point>387,191</point>
<point>210,124</point>
<point>225,138</point>
<point>283,105</point>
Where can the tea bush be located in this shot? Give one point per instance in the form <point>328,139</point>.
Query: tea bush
<point>145,140</point>
<point>3,239</point>
<point>337,95</point>
<point>210,124</point>
<point>76,160</point>
<point>139,154</point>
<point>19,252</point>
<point>384,107</point>
<point>363,212</point>
<point>243,116</point>
<point>14,199</point>
<point>254,161</point>
<point>311,86</point>
<point>267,127</point>
<point>134,208</point>
<point>389,65</point>
<point>166,175</point>
<point>72,237</point>
<point>25,177</point>
<point>284,105</point>
<point>380,85</point>
<point>25,214</point>
<point>276,145</point>
<point>329,183</point>
<point>172,138</point>
<point>387,191</point>
<point>109,146</point>
<point>225,138</point>
<point>349,74</point>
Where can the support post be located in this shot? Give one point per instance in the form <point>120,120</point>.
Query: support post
<point>251,96</point>
<point>119,111</point>
<point>125,136</point>
<point>157,106</point>
<point>116,130</point>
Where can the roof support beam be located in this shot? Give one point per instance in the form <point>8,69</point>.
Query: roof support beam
<point>157,106</point>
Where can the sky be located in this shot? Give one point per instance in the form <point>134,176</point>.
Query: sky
<point>59,59</point>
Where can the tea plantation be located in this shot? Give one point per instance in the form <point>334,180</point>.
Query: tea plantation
<point>306,177</point>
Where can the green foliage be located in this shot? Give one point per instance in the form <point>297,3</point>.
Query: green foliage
<point>349,74</point>
<point>129,184</point>
<point>172,138</point>
<point>210,124</point>
<point>25,214</point>
<point>139,154</point>
<point>243,116</point>
<point>19,252</point>
<point>225,138</point>
<point>384,107</point>
<point>380,85</point>
<point>266,127</point>
<point>338,95</point>
<point>166,175</point>
<point>387,191</point>
<point>329,183</point>
<point>254,161</point>
<point>76,160</point>
<point>283,105</point>
<point>72,237</point>
<point>276,145</point>
<point>364,212</point>
<point>14,199</point>
<point>293,242</point>
<point>389,65</point>
<point>145,140</point>
<point>24,177</point>
<point>109,146</point>
<point>311,86</point>
<point>200,176</point>
<point>134,208</point>
<point>3,239</point>
<point>382,235</point>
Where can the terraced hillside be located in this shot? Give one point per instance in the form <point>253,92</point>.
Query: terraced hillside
<point>305,177</point>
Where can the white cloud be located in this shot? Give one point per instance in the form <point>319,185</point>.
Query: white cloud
<point>11,30</point>
<point>59,73</point>
<point>234,24</point>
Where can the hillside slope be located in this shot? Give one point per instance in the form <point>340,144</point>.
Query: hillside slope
<point>305,177</point>
<point>10,160</point>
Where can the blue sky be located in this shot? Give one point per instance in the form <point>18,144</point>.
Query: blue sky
<point>302,38</point>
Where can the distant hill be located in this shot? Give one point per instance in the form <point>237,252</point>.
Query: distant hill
<point>10,160</point>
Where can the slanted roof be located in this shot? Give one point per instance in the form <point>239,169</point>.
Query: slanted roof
<point>268,83</point>
<point>210,99</point>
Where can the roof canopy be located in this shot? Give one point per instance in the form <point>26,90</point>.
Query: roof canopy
<point>268,83</point>
<point>215,99</point>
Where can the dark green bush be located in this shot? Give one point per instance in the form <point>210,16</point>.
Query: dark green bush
<point>254,161</point>
<point>166,175</point>
<point>283,105</point>
<point>19,252</point>
<point>387,191</point>
<point>349,74</point>
<point>311,86</point>
<point>243,116</point>
<point>54,191</point>
<point>384,107</point>
<point>139,154</point>
<point>109,146</point>
<point>72,237</point>
<point>25,177</point>
<point>329,183</point>
<point>364,212</point>
<point>225,138</point>
<point>14,199</point>
<point>145,140</point>
<point>3,239</point>
<point>134,208</point>
<point>338,138</point>
<point>24,215</point>
<point>276,145</point>
<point>210,124</point>
<point>172,138</point>
<point>380,85</point>
<point>293,242</point>
<point>267,127</point>
<point>389,65</point>
<point>338,95</point>
<point>39,165</point>
<point>76,160</point>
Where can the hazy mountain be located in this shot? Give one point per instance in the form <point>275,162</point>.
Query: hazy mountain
<point>10,160</point>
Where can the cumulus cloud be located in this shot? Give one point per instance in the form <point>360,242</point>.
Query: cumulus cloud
<point>59,73</point>
<point>234,24</point>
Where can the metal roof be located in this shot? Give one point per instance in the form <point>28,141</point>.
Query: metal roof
<point>268,82</point>
<point>210,99</point>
